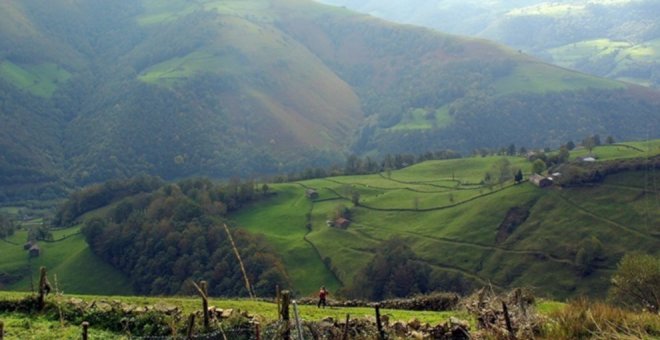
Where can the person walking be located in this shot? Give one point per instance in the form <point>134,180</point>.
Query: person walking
<point>323,293</point>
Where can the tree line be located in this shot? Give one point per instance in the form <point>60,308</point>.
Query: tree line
<point>165,238</point>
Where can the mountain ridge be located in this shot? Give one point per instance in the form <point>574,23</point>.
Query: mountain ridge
<point>226,88</point>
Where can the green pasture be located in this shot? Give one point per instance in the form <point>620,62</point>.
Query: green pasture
<point>69,258</point>
<point>41,80</point>
<point>420,119</point>
<point>185,67</point>
<point>452,223</point>
<point>543,78</point>
<point>283,222</point>
<point>603,152</point>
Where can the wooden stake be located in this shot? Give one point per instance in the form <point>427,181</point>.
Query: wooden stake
<point>44,288</point>
<point>85,326</point>
<point>345,335</point>
<point>205,304</point>
<point>298,325</point>
<point>191,326</point>
<point>286,298</point>
<point>381,333</point>
<point>2,330</point>
<point>507,319</point>
<point>256,331</point>
<point>277,299</point>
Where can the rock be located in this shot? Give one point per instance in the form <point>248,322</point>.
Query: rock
<point>385,320</point>
<point>414,324</point>
<point>462,323</point>
<point>416,335</point>
<point>104,307</point>
<point>227,313</point>
<point>399,329</point>
<point>140,309</point>
<point>76,301</point>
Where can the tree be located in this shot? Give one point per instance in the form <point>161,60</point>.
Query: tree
<point>264,188</point>
<point>563,155</point>
<point>355,198</point>
<point>590,250</point>
<point>609,140</point>
<point>511,150</point>
<point>538,166</point>
<point>636,282</point>
<point>519,176</point>
<point>570,145</point>
<point>504,171</point>
<point>589,143</point>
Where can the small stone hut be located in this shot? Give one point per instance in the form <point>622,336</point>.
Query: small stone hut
<point>540,181</point>
<point>311,194</point>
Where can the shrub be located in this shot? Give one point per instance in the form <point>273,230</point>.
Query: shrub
<point>636,283</point>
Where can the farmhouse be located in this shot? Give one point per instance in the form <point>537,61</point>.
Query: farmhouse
<point>311,194</point>
<point>34,251</point>
<point>540,181</point>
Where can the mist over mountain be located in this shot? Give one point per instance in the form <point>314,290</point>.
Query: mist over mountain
<point>94,90</point>
<point>617,39</point>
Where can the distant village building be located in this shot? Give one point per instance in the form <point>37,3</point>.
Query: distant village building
<point>34,251</point>
<point>588,159</point>
<point>540,181</point>
<point>311,194</point>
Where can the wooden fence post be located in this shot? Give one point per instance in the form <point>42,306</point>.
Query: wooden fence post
<point>507,319</point>
<point>345,335</point>
<point>298,325</point>
<point>257,331</point>
<point>44,288</point>
<point>381,333</point>
<point>277,299</point>
<point>2,330</point>
<point>191,326</point>
<point>205,303</point>
<point>85,327</point>
<point>286,298</point>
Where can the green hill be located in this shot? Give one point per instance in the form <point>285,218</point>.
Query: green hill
<point>465,231</point>
<point>613,39</point>
<point>68,258</point>
<point>465,222</point>
<point>95,90</point>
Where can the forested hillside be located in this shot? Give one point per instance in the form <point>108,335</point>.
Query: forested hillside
<point>614,39</point>
<point>96,90</point>
<point>161,236</point>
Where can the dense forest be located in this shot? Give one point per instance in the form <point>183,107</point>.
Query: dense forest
<point>162,236</point>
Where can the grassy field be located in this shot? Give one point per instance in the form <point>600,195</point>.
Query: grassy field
<point>543,78</point>
<point>69,258</point>
<point>451,221</point>
<point>41,80</point>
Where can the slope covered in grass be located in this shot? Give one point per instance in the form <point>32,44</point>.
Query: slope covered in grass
<point>454,224</point>
<point>69,258</point>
